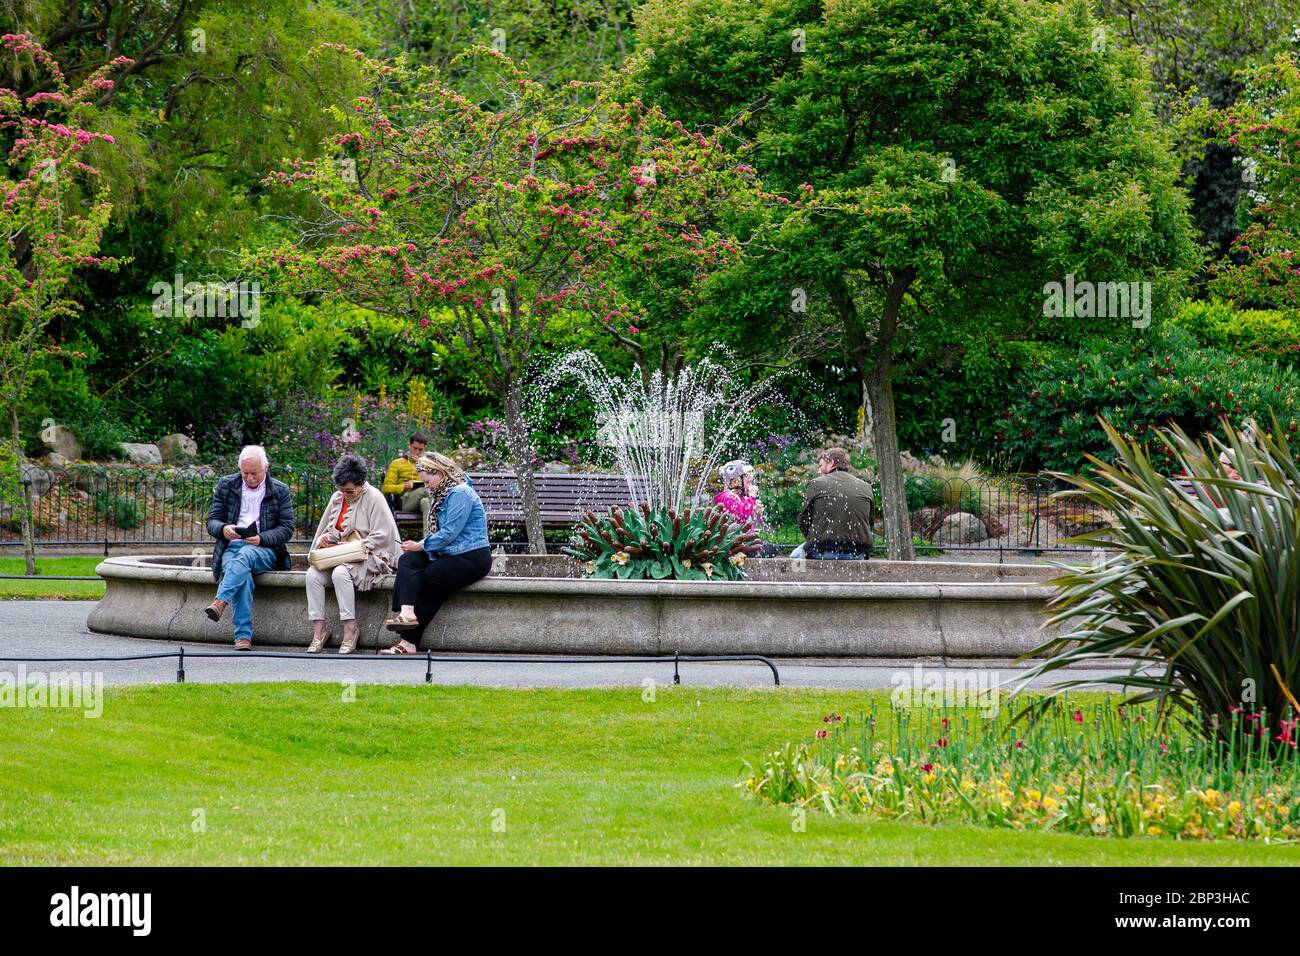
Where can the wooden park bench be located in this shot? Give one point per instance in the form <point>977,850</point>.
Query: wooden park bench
<point>562,498</point>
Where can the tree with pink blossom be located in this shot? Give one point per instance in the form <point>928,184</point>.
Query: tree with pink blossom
<point>52,215</point>
<point>493,226</point>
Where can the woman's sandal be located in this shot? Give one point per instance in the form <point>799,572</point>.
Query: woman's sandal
<point>396,649</point>
<point>401,624</point>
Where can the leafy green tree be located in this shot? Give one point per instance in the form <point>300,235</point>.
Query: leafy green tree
<point>557,40</point>
<point>941,163</point>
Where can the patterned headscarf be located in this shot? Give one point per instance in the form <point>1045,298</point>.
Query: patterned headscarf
<point>434,463</point>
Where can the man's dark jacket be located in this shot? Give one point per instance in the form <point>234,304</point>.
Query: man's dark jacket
<point>836,513</point>
<point>274,523</point>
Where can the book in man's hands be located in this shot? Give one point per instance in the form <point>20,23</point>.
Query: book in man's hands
<point>248,532</point>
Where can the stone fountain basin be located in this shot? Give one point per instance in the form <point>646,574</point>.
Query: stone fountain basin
<point>541,605</point>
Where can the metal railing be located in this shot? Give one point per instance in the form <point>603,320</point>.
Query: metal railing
<point>180,654</point>
<point>93,507</point>
<point>103,508</point>
<point>1017,514</point>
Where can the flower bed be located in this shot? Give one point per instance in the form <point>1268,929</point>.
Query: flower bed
<point>1090,768</point>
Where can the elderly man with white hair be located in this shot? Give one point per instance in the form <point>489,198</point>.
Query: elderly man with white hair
<point>252,519</point>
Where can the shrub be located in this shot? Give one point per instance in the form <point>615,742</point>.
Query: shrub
<point>1201,592</point>
<point>1053,419</point>
<point>315,431</point>
<point>699,544</point>
<point>489,436</point>
<point>119,510</point>
<point>924,491</point>
<point>1272,333</point>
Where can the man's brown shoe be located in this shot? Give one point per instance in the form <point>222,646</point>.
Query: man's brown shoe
<point>216,609</point>
<point>243,644</point>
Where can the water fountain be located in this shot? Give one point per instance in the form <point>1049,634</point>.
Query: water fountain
<point>666,435</point>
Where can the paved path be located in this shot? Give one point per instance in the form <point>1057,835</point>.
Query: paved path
<point>58,628</point>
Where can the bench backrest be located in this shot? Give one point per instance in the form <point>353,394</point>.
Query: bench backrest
<point>561,498</point>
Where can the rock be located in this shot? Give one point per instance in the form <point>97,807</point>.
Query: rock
<point>55,461</point>
<point>177,447</point>
<point>140,454</point>
<point>962,528</point>
<point>90,481</point>
<point>59,439</point>
<point>555,468</point>
<point>911,465</point>
<point>40,478</point>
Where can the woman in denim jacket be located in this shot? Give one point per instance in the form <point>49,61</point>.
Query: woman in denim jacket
<point>454,552</point>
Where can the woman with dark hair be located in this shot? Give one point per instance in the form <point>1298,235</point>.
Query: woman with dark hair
<point>453,554</point>
<point>357,506</point>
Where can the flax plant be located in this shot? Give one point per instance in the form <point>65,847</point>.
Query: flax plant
<point>1200,590</point>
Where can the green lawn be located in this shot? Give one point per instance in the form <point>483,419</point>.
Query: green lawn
<point>289,773</point>
<point>36,588</point>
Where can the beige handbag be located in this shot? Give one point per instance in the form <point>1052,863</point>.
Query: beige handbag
<point>351,550</point>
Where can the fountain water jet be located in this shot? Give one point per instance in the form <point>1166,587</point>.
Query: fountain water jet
<point>667,433</point>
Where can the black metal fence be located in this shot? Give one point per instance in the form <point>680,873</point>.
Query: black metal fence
<point>106,508</point>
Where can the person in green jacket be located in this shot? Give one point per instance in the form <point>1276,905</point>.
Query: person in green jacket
<point>837,511</point>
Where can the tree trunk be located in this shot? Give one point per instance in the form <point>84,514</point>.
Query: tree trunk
<point>877,383</point>
<point>24,496</point>
<point>521,450</point>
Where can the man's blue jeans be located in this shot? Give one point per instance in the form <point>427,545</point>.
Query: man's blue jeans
<point>238,565</point>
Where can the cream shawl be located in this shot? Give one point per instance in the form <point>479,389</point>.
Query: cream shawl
<point>373,519</point>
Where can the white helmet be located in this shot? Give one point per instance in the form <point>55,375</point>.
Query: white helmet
<point>734,470</point>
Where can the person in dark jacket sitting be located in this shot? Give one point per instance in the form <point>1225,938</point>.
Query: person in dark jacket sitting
<point>836,514</point>
<point>252,519</point>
